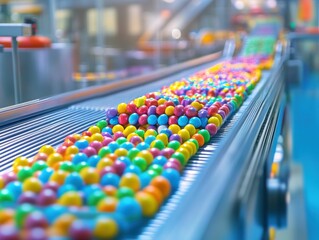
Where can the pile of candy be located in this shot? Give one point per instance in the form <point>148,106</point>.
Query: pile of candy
<point>105,181</point>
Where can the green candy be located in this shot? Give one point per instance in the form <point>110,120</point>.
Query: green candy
<point>152,173</point>
<point>132,153</point>
<point>104,151</point>
<point>81,166</point>
<point>67,166</point>
<point>205,135</point>
<point>180,157</point>
<point>5,196</point>
<point>101,124</point>
<point>22,212</point>
<point>124,192</point>
<point>158,144</point>
<point>95,197</point>
<point>24,173</point>
<point>140,133</point>
<point>140,162</point>
<point>174,145</point>
<point>121,140</point>
<point>39,165</point>
<point>156,168</point>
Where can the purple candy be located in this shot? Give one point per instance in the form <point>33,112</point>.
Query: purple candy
<point>135,140</point>
<point>202,113</point>
<point>36,220</point>
<point>107,169</point>
<point>118,135</point>
<point>211,128</point>
<point>107,141</point>
<point>96,145</point>
<point>89,151</point>
<point>119,167</point>
<point>172,165</point>
<point>222,113</point>
<point>155,152</point>
<point>28,197</point>
<point>111,112</point>
<point>175,161</point>
<point>151,110</point>
<point>175,137</point>
<point>36,234</point>
<point>167,152</point>
<point>51,185</point>
<point>80,231</point>
<point>151,127</point>
<point>106,134</point>
<point>9,177</point>
<point>9,232</point>
<point>46,197</point>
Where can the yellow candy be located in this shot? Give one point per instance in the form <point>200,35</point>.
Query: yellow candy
<point>54,159</point>
<point>120,152</point>
<point>70,199</point>
<point>215,121</point>
<point>185,152</point>
<point>20,162</point>
<point>47,149</point>
<point>197,105</point>
<point>191,129</point>
<point>161,101</point>
<point>146,155</point>
<point>184,134</point>
<point>94,129</point>
<point>219,118</point>
<point>191,146</point>
<point>62,224</point>
<point>148,203</point>
<point>150,132</point>
<point>174,128</point>
<point>90,175</point>
<point>97,137</point>
<point>117,128</point>
<point>121,108</point>
<point>32,184</point>
<point>169,110</point>
<point>105,228</point>
<point>77,136</point>
<point>163,137</point>
<point>128,130</point>
<point>71,150</point>
<point>59,176</point>
<point>87,138</point>
<point>2,182</point>
<point>104,162</point>
<point>130,180</point>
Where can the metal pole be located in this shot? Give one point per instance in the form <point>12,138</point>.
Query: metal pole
<point>52,9</point>
<point>16,72</point>
<point>100,37</point>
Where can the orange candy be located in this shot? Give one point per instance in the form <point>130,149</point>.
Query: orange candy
<point>162,184</point>
<point>200,139</point>
<point>155,192</point>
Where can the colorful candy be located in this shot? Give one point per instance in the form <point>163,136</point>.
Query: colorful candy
<point>127,164</point>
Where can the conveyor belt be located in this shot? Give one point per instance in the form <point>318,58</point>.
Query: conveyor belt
<point>27,136</point>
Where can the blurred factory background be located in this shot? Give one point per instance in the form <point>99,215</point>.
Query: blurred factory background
<point>83,44</point>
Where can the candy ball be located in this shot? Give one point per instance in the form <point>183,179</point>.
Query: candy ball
<point>129,208</point>
<point>79,230</point>
<point>105,228</point>
<point>36,220</point>
<point>70,198</point>
<point>107,204</point>
<point>32,184</point>
<point>148,203</point>
<point>130,180</point>
<point>162,184</point>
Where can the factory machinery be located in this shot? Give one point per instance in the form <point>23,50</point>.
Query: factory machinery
<point>233,188</point>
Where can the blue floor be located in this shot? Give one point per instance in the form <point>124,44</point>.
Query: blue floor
<point>305,132</point>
